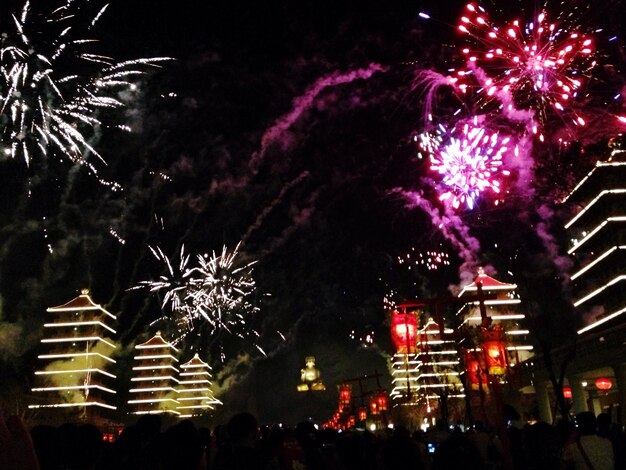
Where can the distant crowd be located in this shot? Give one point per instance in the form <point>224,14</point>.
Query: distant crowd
<point>588,443</point>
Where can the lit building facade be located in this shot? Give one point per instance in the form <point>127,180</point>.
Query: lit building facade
<point>77,360</point>
<point>194,388</point>
<point>596,379</point>
<point>154,387</point>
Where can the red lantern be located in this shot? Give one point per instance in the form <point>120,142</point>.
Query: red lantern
<point>472,369</point>
<point>404,332</point>
<point>381,400</point>
<point>351,421</point>
<point>603,384</point>
<point>362,414</point>
<point>374,406</point>
<point>495,351</point>
<point>567,392</point>
<point>345,394</point>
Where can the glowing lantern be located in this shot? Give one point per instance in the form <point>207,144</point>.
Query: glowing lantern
<point>381,400</point>
<point>495,351</point>
<point>404,332</point>
<point>567,392</point>
<point>345,395</point>
<point>603,384</point>
<point>351,421</point>
<point>472,369</point>
<point>362,414</point>
<point>374,407</point>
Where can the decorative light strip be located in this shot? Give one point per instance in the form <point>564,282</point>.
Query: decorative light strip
<point>72,387</point>
<point>602,320</point>
<point>438,374</point>
<point>153,389</point>
<point>156,377</point>
<point>519,348</point>
<point>152,400</point>
<point>517,332</point>
<point>196,366</point>
<point>611,283</point>
<point>155,412</point>
<point>212,400</point>
<point>60,356</point>
<point>582,181</point>
<point>78,338</point>
<point>157,356</point>
<point>79,323</point>
<point>404,379</point>
<point>594,231</point>
<point>66,405</point>
<point>497,302</point>
<point>472,287</point>
<point>151,346</point>
<point>189,382</point>
<point>195,373</point>
<point>73,371</point>
<point>74,309</point>
<point>593,201</point>
<point>500,317</point>
<point>441,363</point>
<point>204,407</point>
<point>154,367</point>
<point>597,260</point>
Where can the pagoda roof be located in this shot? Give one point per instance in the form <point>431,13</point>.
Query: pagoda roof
<point>82,302</point>
<point>156,341</point>
<point>195,362</point>
<point>488,283</point>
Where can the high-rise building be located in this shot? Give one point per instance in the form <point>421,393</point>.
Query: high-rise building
<point>194,389</point>
<point>597,242</point>
<point>155,386</point>
<point>79,348</point>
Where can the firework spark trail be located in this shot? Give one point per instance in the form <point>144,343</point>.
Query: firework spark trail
<point>451,227</point>
<point>541,64</point>
<point>214,292</point>
<point>304,102</point>
<point>266,211</point>
<point>469,158</point>
<point>46,108</point>
<point>431,82</point>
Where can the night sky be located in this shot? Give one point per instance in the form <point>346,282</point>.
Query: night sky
<point>318,203</point>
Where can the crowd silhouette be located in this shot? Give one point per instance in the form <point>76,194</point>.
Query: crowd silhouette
<point>584,443</point>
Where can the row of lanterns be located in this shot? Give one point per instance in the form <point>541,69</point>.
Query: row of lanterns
<point>602,383</point>
<point>343,419</point>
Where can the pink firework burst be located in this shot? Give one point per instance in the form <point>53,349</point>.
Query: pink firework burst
<point>469,160</point>
<point>541,64</point>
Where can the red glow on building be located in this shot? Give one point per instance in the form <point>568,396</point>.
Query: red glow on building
<point>603,384</point>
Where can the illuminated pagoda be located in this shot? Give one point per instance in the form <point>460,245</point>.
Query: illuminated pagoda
<point>155,383</point>
<point>78,352</point>
<point>437,364</point>
<point>404,369</point>
<point>505,313</point>
<point>194,388</point>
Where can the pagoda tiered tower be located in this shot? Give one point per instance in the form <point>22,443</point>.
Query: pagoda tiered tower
<point>155,386</point>
<point>504,311</point>
<point>437,363</point>
<point>194,388</point>
<point>79,348</point>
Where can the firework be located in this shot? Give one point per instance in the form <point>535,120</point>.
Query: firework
<point>52,89</point>
<point>214,292</point>
<point>431,259</point>
<point>541,64</point>
<point>468,159</point>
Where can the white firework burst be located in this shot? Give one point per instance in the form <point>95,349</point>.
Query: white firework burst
<point>52,89</point>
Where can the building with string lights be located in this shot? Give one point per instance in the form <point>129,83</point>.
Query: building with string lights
<point>194,388</point>
<point>75,365</point>
<point>596,379</point>
<point>504,311</point>
<point>155,384</point>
